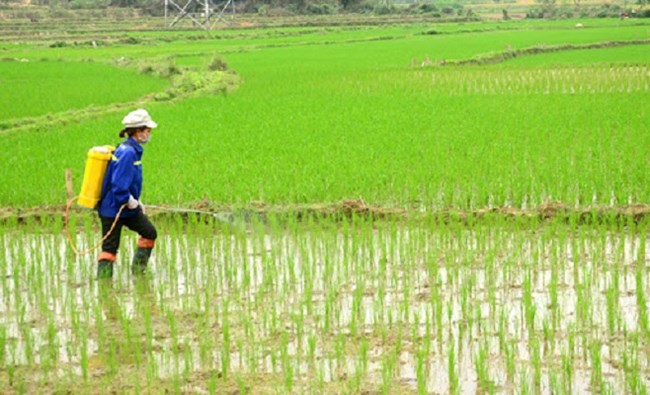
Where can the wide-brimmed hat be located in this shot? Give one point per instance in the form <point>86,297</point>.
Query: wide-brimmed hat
<point>138,118</point>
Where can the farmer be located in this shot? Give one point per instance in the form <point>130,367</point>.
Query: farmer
<point>122,187</point>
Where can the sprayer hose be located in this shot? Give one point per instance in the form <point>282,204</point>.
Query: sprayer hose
<point>69,236</point>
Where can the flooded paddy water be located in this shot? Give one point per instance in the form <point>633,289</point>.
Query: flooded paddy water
<point>348,306</point>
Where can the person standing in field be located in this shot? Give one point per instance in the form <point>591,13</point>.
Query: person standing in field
<point>121,190</point>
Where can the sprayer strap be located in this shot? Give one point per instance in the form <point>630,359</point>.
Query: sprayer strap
<point>116,159</point>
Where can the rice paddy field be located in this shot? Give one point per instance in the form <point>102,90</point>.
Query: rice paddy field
<point>388,208</point>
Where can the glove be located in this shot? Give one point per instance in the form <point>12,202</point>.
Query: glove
<point>133,203</point>
<point>141,206</point>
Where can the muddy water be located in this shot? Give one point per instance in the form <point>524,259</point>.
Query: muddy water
<point>394,308</point>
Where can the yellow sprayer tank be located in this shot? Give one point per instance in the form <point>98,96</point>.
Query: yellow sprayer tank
<point>91,188</point>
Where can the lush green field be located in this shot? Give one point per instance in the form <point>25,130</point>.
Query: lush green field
<point>34,88</point>
<point>276,296</point>
<point>632,55</point>
<point>329,114</point>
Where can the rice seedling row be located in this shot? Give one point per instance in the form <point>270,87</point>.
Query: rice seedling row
<point>345,306</point>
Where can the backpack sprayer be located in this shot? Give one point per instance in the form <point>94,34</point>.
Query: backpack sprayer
<point>91,188</point>
<point>96,164</point>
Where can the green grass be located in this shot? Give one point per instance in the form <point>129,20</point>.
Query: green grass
<point>330,114</point>
<point>44,87</point>
<point>630,55</point>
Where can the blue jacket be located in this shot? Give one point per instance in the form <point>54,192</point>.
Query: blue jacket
<point>123,178</point>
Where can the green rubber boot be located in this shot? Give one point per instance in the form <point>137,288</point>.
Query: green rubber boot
<point>140,260</point>
<point>104,269</point>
